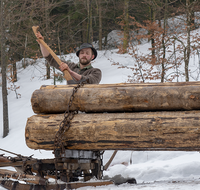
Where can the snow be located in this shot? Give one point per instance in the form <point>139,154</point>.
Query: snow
<point>152,169</point>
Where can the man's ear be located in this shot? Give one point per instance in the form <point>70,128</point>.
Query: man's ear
<point>92,56</point>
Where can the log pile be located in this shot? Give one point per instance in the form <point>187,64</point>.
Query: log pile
<point>142,117</point>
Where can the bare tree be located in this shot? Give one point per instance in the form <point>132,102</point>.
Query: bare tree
<point>100,23</point>
<point>188,43</point>
<point>4,81</point>
<point>187,52</point>
<point>163,41</point>
<point>89,25</point>
<point>126,26</point>
<point>46,5</point>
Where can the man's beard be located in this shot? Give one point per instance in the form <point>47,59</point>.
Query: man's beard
<point>85,61</point>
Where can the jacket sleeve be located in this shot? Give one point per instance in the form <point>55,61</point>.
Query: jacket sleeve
<point>53,62</point>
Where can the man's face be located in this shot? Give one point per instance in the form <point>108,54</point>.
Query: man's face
<point>85,56</point>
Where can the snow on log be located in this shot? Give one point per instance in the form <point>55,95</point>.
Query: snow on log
<point>171,130</point>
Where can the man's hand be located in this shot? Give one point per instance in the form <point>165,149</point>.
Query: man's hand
<point>39,36</point>
<point>64,66</point>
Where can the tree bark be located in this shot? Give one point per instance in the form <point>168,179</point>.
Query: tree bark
<point>118,131</point>
<point>14,70</point>
<point>126,26</point>
<point>163,42</point>
<point>100,24</point>
<point>187,50</point>
<point>4,81</point>
<point>46,5</point>
<point>90,28</point>
<point>84,31</point>
<point>152,18</point>
<point>118,97</point>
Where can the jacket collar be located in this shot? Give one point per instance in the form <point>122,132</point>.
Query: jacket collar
<point>85,68</point>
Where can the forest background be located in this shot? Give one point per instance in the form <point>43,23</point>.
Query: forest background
<point>66,24</point>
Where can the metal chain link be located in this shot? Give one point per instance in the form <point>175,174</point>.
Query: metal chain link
<point>100,167</point>
<point>65,123</point>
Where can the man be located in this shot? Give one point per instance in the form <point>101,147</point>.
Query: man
<point>81,71</point>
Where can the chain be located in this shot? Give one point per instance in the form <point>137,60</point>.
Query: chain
<point>101,166</point>
<point>65,124</point>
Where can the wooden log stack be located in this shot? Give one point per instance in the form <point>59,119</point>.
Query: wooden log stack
<point>141,117</point>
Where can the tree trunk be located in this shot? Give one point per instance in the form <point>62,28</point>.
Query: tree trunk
<point>163,42</point>
<point>4,81</point>
<point>118,97</point>
<point>175,60</point>
<point>100,24</point>
<point>118,131</point>
<point>189,13</point>
<point>68,40</point>
<point>84,32</point>
<point>25,45</point>
<point>14,74</point>
<point>193,25</point>
<point>126,26</point>
<point>91,25</point>
<point>90,29</point>
<point>46,2</point>
<point>187,53</point>
<point>153,53</point>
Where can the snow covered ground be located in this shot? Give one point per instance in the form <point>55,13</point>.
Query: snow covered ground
<point>152,170</point>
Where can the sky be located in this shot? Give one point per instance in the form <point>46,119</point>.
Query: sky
<point>152,169</point>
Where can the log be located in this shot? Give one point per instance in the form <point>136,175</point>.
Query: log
<point>118,97</point>
<point>176,130</point>
<point>194,83</point>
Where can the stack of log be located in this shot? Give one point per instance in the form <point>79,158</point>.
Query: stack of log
<point>151,116</point>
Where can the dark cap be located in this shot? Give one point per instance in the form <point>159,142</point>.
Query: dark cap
<point>87,45</point>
